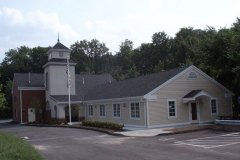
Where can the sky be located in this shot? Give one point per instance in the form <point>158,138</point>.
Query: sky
<point>35,23</point>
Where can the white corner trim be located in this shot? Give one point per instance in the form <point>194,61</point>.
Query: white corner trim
<point>21,106</point>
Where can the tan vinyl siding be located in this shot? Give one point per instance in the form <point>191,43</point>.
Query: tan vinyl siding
<point>125,111</point>
<point>158,111</point>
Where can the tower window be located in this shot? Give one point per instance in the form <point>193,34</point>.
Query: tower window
<point>60,54</point>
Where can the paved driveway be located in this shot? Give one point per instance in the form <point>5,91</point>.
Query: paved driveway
<point>75,144</point>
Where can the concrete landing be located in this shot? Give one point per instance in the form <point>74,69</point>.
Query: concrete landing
<point>163,131</point>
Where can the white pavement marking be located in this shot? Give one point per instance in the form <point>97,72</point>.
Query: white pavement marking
<point>166,139</point>
<point>213,141</point>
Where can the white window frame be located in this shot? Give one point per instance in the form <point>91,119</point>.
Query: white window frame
<point>175,103</point>
<point>135,111</point>
<point>90,110</point>
<point>212,106</point>
<point>113,110</point>
<point>102,111</point>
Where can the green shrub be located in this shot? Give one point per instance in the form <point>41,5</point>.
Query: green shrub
<point>107,125</point>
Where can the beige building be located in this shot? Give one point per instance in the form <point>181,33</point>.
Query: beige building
<point>173,97</point>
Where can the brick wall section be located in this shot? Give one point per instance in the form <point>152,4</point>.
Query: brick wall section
<point>30,97</point>
<point>16,103</point>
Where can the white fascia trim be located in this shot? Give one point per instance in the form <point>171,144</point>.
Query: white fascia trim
<point>183,72</point>
<point>115,100</point>
<point>72,102</point>
<point>150,97</point>
<point>212,80</point>
<point>31,88</point>
<point>57,50</point>
<point>202,93</point>
<point>167,82</point>
<point>65,102</point>
<point>52,98</point>
<point>58,63</point>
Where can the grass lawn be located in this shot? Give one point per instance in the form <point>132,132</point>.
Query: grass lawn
<point>13,148</point>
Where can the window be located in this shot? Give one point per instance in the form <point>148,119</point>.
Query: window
<point>90,110</point>
<point>102,110</point>
<point>192,75</point>
<point>171,108</point>
<point>135,110</point>
<point>116,110</point>
<point>214,106</point>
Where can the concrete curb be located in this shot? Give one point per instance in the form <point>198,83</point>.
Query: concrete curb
<point>6,121</point>
<point>122,135</point>
<point>77,127</point>
<point>185,131</point>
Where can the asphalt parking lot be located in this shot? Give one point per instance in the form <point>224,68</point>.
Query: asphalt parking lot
<point>72,144</point>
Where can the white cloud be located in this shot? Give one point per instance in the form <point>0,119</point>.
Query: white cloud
<point>110,33</point>
<point>37,20</point>
<point>13,16</point>
<point>34,28</point>
<point>50,21</point>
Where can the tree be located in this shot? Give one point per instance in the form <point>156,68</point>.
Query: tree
<point>90,51</point>
<point>2,103</point>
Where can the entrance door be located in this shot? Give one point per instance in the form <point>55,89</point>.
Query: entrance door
<point>194,111</point>
<point>31,115</point>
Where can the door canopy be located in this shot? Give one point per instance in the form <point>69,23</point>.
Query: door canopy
<point>191,96</point>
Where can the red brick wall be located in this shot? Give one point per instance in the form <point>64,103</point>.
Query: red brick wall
<point>28,98</point>
<point>16,103</point>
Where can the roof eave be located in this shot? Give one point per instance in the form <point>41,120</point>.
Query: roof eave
<point>114,99</point>
<point>58,63</point>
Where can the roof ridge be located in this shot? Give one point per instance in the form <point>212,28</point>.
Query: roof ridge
<point>150,74</point>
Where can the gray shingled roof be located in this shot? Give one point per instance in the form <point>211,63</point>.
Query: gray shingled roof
<point>64,98</point>
<point>59,45</point>
<point>94,87</point>
<point>131,87</point>
<point>192,93</point>
<point>22,79</point>
<point>85,83</point>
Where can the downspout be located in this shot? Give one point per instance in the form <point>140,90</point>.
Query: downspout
<point>147,116</point>
<point>21,105</point>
